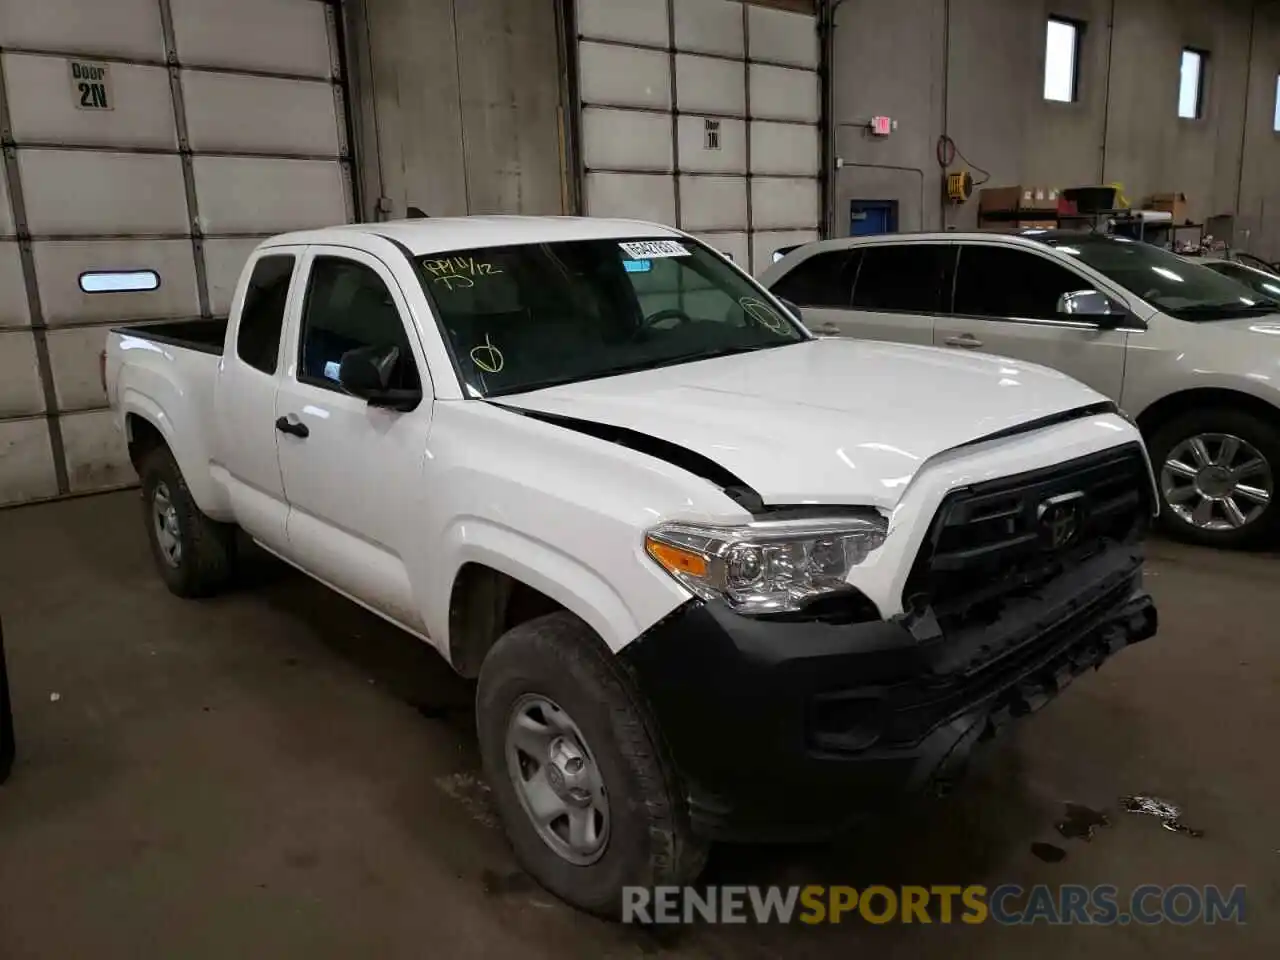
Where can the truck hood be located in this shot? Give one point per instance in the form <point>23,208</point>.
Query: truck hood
<point>824,421</point>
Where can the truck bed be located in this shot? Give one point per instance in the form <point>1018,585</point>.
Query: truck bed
<point>206,336</point>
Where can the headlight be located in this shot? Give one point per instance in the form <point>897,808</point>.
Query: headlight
<point>767,567</point>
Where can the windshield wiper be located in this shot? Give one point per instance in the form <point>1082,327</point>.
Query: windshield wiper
<point>1266,306</point>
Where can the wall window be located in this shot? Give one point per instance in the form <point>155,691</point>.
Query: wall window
<point>119,281</point>
<point>1191,84</point>
<point>1062,60</point>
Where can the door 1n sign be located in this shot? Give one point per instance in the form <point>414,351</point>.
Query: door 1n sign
<point>91,85</point>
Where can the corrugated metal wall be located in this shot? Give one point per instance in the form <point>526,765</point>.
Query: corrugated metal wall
<point>703,114</point>
<point>458,103</point>
<point>225,123</point>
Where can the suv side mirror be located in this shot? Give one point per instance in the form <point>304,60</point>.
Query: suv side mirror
<point>1091,305</point>
<point>366,373</point>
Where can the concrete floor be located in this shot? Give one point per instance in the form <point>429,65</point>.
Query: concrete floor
<point>276,773</point>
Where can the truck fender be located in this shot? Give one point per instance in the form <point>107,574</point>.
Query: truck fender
<point>208,495</point>
<point>540,565</point>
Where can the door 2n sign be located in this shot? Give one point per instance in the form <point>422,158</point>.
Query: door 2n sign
<point>91,85</point>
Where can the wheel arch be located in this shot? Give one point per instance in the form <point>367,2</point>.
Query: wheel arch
<point>483,605</point>
<point>142,435</point>
<point>1168,407</point>
<point>147,426</point>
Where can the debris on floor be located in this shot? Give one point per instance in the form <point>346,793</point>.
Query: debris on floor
<point>472,792</point>
<point>1048,852</point>
<point>1166,811</point>
<point>1080,822</point>
<point>55,697</point>
<point>500,884</point>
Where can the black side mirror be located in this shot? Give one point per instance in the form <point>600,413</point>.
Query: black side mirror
<point>366,373</point>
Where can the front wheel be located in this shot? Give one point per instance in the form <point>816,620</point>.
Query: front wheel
<point>1217,471</point>
<point>587,798</point>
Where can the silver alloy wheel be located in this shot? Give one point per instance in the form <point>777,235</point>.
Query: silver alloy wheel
<point>1216,481</point>
<point>165,517</point>
<point>557,780</point>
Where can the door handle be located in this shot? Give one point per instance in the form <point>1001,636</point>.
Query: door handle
<point>293,428</point>
<point>966,340</point>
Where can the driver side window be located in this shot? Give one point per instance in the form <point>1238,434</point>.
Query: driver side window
<point>1004,283</point>
<point>347,307</point>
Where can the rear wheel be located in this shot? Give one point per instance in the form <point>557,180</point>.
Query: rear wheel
<point>1217,471</point>
<point>587,798</point>
<point>194,554</point>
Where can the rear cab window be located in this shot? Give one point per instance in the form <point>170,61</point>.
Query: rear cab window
<point>262,314</point>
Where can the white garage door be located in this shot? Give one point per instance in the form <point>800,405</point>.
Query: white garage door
<point>703,114</point>
<point>155,141</point>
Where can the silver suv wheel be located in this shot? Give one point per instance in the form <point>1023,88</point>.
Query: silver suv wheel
<point>1216,481</point>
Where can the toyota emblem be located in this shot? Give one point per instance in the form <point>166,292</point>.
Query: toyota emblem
<point>1061,519</point>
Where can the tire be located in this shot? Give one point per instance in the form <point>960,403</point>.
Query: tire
<point>1170,441</point>
<point>648,842</point>
<point>205,560</point>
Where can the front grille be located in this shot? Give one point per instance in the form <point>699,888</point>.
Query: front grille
<point>1007,537</point>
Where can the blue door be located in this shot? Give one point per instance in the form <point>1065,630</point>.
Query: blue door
<point>867,217</point>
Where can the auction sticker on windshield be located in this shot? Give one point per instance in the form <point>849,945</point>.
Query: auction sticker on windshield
<point>653,249</point>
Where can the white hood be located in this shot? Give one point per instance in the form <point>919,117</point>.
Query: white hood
<point>825,421</point>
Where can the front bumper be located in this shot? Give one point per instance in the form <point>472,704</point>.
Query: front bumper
<point>794,730</point>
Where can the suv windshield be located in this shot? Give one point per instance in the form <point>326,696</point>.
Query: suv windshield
<point>1181,289</point>
<point>536,315</point>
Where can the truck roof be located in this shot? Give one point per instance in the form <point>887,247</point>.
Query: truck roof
<point>427,236</point>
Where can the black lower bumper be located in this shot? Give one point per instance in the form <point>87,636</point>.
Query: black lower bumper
<point>795,730</point>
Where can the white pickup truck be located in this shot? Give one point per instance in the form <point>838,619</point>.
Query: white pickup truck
<point>718,579</point>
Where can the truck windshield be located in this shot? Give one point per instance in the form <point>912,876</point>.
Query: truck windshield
<point>524,317</point>
<point>1180,288</point>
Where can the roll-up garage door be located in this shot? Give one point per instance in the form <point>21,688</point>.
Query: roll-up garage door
<point>703,114</point>
<point>149,144</point>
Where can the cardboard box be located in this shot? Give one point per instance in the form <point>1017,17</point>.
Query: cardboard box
<point>1172,203</point>
<point>994,199</point>
<point>1040,198</point>
<point>999,199</point>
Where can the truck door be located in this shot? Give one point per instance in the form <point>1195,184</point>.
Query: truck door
<point>352,472</point>
<point>246,395</point>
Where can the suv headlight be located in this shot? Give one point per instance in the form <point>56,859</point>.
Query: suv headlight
<point>766,567</point>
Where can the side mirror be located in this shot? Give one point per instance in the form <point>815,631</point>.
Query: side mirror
<point>1091,305</point>
<point>366,373</point>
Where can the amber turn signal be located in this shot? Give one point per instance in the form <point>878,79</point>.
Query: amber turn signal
<point>676,559</point>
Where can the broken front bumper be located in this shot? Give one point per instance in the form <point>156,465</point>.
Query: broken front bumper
<point>794,730</point>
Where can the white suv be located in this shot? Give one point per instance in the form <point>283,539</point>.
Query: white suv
<point>1191,355</point>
